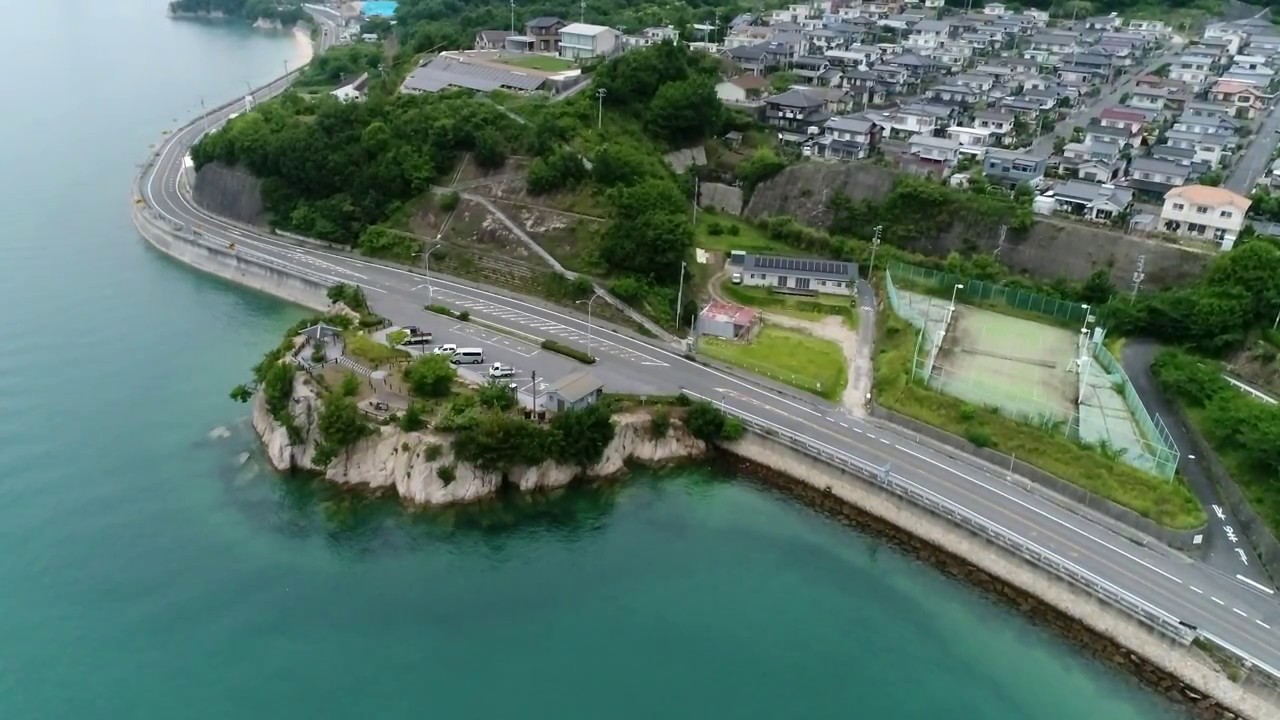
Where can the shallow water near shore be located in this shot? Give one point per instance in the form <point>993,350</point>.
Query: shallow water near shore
<point>147,571</point>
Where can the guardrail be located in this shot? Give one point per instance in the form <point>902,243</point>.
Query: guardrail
<point>883,476</point>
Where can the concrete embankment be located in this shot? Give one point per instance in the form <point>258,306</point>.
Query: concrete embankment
<point>1180,672</point>
<point>230,264</point>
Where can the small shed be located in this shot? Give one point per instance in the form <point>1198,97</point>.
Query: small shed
<point>574,391</point>
<point>728,321</point>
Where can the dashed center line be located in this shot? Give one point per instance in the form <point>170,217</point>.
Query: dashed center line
<point>1263,624</point>
<point>1238,612</point>
<point>1216,600</point>
<point>1193,587</point>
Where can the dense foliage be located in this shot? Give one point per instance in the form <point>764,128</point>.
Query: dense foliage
<point>497,442</point>
<point>1239,294</point>
<point>430,376</point>
<point>340,424</point>
<point>332,169</point>
<point>920,208</point>
<point>1233,421</point>
<point>709,424</point>
<point>343,63</point>
<point>287,12</point>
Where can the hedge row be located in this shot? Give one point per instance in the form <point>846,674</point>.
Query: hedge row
<point>442,310</point>
<point>568,351</point>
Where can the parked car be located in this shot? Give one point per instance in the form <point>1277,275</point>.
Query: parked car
<point>498,370</point>
<point>736,278</point>
<point>418,338</point>
<point>445,349</point>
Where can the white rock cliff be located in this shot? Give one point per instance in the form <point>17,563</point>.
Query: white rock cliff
<point>410,462</point>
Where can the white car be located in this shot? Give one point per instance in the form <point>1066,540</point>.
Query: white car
<point>498,370</point>
<point>736,279</point>
<point>444,350</point>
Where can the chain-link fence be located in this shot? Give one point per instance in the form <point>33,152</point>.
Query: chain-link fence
<point>979,293</point>
<point>1157,443</point>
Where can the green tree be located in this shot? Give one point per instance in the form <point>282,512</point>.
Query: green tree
<point>1213,178</point>
<point>651,245</point>
<point>579,437</point>
<point>1097,288</point>
<point>496,395</point>
<point>430,376</point>
<point>489,151</point>
<point>341,425</point>
<point>414,417</point>
<point>763,164</point>
<point>499,442</point>
<point>557,171</point>
<point>685,111</point>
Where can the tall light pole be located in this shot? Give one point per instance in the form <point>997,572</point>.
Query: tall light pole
<point>695,199</point>
<point>1277,322</point>
<point>958,287</point>
<point>600,93</point>
<point>589,304</point>
<point>875,245</point>
<point>513,17</point>
<point>427,259</point>
<point>680,295</point>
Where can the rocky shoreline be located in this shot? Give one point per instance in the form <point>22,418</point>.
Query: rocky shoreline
<point>1098,645</point>
<point>413,464</point>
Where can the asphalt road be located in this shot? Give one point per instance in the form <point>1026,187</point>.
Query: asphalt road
<point>1190,590</point>
<point>1257,157</point>
<point>1226,548</point>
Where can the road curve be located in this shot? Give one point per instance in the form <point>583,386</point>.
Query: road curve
<point>1187,589</point>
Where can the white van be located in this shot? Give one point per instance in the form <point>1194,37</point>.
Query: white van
<point>468,356</point>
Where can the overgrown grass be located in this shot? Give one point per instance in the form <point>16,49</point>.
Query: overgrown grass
<point>1168,503</point>
<point>748,238</point>
<point>538,62</point>
<point>363,347</point>
<point>789,356</point>
<point>1259,487</point>
<point>814,309</point>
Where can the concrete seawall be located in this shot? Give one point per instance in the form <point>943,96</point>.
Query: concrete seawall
<point>1180,672</point>
<point>234,266</point>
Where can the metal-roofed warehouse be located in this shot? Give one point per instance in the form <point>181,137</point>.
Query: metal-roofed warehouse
<point>446,72</point>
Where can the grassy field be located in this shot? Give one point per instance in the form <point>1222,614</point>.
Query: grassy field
<point>795,358</point>
<point>1168,503</point>
<point>538,62</point>
<point>814,309</point>
<point>365,348</point>
<point>749,237</point>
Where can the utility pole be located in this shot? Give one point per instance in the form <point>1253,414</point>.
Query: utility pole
<point>427,259</point>
<point>513,17</point>
<point>680,295</point>
<point>600,93</point>
<point>582,11</point>
<point>1004,231</point>
<point>695,199</point>
<point>875,245</point>
<point>1138,276</point>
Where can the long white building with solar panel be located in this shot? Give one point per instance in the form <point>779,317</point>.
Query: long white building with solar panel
<point>796,276</point>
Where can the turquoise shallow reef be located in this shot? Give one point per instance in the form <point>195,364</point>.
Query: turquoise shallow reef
<point>145,572</point>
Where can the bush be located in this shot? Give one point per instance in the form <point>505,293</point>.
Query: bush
<point>733,230</point>
<point>979,437</point>
<point>579,437</point>
<point>370,320</point>
<point>460,414</point>
<point>397,338</point>
<point>432,452</point>
<point>439,310</point>
<point>382,242</point>
<point>430,376</point>
<point>317,355</point>
<point>715,228</point>
<point>568,351</point>
<point>414,418</point>
<point>707,423</point>
<point>496,395</point>
<point>659,424</point>
<point>447,474</point>
<point>464,316</point>
<point>449,201</point>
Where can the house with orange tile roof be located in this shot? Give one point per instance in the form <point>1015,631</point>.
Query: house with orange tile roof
<point>1210,213</point>
<point>1246,100</point>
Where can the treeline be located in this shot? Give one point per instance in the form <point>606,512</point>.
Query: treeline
<point>287,12</point>
<point>424,24</point>
<point>1233,421</point>
<point>331,169</point>
<point>1238,295</point>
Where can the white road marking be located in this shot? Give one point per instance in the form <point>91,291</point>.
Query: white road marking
<point>1238,612</point>
<point>1217,600</point>
<point>1193,587</point>
<point>1038,511</point>
<point>1263,624</point>
<point>1255,585</point>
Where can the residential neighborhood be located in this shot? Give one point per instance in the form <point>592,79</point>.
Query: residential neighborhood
<point>1100,119</point>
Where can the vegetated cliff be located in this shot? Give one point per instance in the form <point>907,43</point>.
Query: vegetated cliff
<point>230,192</point>
<point>1050,249</point>
<point>411,462</point>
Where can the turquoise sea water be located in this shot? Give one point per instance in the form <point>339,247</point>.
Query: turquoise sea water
<point>145,573</point>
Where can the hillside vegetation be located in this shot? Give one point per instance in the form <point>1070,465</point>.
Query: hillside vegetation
<point>287,12</point>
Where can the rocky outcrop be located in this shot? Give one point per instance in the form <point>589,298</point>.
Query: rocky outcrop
<point>421,467</point>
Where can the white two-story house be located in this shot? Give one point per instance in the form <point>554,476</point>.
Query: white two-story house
<point>1211,213</point>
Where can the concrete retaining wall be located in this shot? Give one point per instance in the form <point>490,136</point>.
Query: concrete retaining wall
<point>1251,524</point>
<point>1130,520</point>
<point>236,267</point>
<point>230,192</point>
<point>820,481</point>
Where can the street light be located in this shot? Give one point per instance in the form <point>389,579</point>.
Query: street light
<point>600,93</point>
<point>680,296</point>
<point>427,259</point>
<point>589,304</point>
<point>954,290</point>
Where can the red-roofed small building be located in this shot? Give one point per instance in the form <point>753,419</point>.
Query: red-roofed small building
<point>1130,119</point>
<point>728,321</point>
<point>1247,101</point>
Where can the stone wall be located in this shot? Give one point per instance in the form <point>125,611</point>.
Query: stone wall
<point>230,192</point>
<point>1053,248</point>
<point>1128,520</point>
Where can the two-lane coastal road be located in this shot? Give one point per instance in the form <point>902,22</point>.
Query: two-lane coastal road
<point>1236,612</point>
